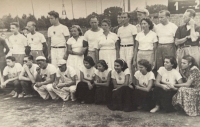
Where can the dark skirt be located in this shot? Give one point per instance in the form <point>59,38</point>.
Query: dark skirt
<point>103,94</point>
<point>143,99</point>
<point>122,99</point>
<point>83,93</point>
<point>164,98</point>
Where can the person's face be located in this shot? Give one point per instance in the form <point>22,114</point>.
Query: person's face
<point>186,17</point>
<point>118,67</point>
<point>27,61</point>
<point>105,26</point>
<point>10,63</point>
<point>13,28</point>
<point>125,18</point>
<point>185,64</point>
<point>52,20</point>
<point>163,18</point>
<point>100,67</point>
<point>156,20</point>
<point>142,69</point>
<point>74,32</point>
<point>119,19</point>
<point>168,64</point>
<point>41,63</point>
<point>145,25</point>
<point>94,22</point>
<point>63,68</point>
<point>87,64</point>
<point>140,16</point>
<point>30,27</point>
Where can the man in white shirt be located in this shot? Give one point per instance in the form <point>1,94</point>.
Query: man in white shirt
<point>36,41</point>
<point>27,76</point>
<point>165,31</point>
<point>18,42</point>
<point>46,75</point>
<point>10,74</point>
<point>91,37</point>
<point>58,35</point>
<point>127,34</point>
<point>141,13</point>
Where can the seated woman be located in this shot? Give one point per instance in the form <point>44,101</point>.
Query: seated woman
<point>143,88</point>
<point>102,82</point>
<point>85,88</point>
<point>122,94</point>
<point>187,96</point>
<point>165,80</point>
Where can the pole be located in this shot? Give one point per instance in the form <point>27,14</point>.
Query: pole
<point>96,6</point>
<point>32,7</point>
<point>72,9</point>
<point>85,8</point>
<point>129,5</point>
<point>124,5</point>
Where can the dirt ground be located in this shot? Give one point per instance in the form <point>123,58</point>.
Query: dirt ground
<point>35,112</point>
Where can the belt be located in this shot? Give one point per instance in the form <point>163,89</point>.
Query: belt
<point>184,46</point>
<point>58,47</point>
<point>166,44</point>
<point>126,45</point>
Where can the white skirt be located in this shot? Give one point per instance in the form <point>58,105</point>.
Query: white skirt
<point>109,56</point>
<point>75,61</point>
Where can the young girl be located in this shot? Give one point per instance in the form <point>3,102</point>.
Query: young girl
<point>165,80</point>
<point>85,88</point>
<point>144,82</point>
<point>102,81</point>
<point>122,92</point>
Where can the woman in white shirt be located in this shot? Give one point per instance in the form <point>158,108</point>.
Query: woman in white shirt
<point>122,94</point>
<point>145,47</point>
<point>144,83</point>
<point>107,45</point>
<point>102,83</point>
<point>165,89</point>
<point>85,89</point>
<point>75,48</point>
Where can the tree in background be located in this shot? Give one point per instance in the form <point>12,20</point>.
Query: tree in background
<point>156,8</point>
<point>111,13</point>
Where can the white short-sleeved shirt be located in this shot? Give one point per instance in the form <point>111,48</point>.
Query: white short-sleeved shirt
<point>92,38</point>
<point>11,72</point>
<point>166,33</point>
<point>169,76</point>
<point>144,79</point>
<point>57,34</point>
<point>103,75</point>
<point>120,77</point>
<point>88,74</point>
<point>126,34</point>
<point>107,42</point>
<point>146,41</point>
<point>67,75</point>
<point>77,45</point>
<point>18,43</point>
<point>35,41</point>
<point>46,73</point>
<point>33,70</point>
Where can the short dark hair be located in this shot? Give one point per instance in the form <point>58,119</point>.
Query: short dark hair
<point>129,16</point>
<point>54,14</point>
<point>106,21</point>
<point>167,13</point>
<point>15,24</point>
<point>119,13</point>
<point>12,58</point>
<point>192,12</point>
<point>146,64</point>
<point>172,61</point>
<point>89,60</point>
<point>30,57</point>
<point>149,22</point>
<point>33,23</point>
<point>122,63</point>
<point>94,16</point>
<point>103,63</point>
<point>191,60</point>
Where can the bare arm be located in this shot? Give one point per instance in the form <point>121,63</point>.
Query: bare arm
<point>49,46</point>
<point>106,83</point>
<point>187,84</point>
<point>117,47</point>
<point>50,80</point>
<point>148,88</point>
<point>45,49</point>
<point>180,41</point>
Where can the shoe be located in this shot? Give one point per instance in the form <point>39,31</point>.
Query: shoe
<point>157,108</point>
<point>15,95</point>
<point>12,93</point>
<point>66,99</point>
<point>74,99</point>
<point>21,95</point>
<point>27,96</point>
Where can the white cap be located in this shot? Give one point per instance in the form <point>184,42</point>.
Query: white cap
<point>40,58</point>
<point>61,62</point>
<point>143,10</point>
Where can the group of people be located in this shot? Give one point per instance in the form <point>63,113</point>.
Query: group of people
<point>114,66</point>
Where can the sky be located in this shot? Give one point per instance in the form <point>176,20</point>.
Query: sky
<point>81,8</point>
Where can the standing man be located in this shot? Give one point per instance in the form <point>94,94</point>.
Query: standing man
<point>119,21</point>
<point>45,77</point>
<point>141,13</point>
<point>187,38</point>
<point>92,36</point>
<point>28,75</point>
<point>58,35</point>
<point>127,34</point>
<point>165,31</point>
<point>36,41</point>
<point>18,42</point>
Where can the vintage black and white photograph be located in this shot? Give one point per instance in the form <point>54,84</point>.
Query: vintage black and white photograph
<point>99,63</point>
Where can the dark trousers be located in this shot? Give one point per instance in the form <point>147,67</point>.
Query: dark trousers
<point>27,87</point>
<point>103,95</point>
<point>16,85</point>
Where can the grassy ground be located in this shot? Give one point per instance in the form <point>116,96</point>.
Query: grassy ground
<point>35,112</point>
